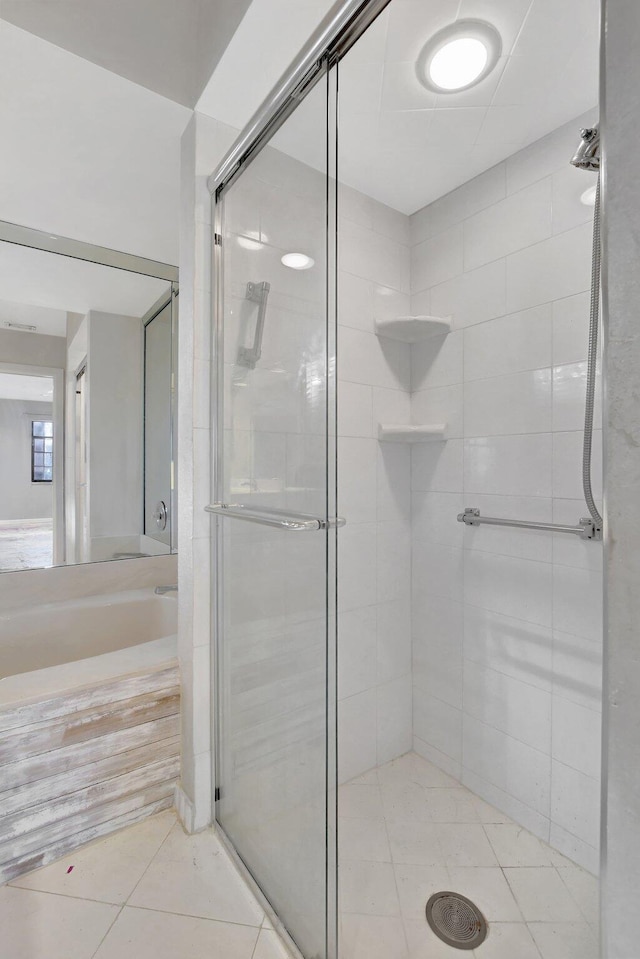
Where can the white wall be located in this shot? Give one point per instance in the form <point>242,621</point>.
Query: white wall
<point>203,144</point>
<point>374,495</point>
<point>20,498</point>
<point>507,624</point>
<point>32,349</point>
<point>114,428</point>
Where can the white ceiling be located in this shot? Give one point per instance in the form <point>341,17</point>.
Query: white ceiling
<point>16,386</point>
<point>52,283</point>
<point>398,142</point>
<point>86,153</point>
<point>170,46</point>
<point>269,37</point>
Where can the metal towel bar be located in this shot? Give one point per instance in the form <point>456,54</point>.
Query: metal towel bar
<point>277,518</point>
<point>586,528</point>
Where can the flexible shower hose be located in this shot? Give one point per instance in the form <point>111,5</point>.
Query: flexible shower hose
<point>592,358</point>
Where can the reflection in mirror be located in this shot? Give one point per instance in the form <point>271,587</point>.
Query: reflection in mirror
<point>87,360</point>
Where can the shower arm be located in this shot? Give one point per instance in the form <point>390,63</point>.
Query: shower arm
<point>256,293</point>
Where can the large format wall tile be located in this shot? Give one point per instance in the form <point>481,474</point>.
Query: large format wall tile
<point>507,623</point>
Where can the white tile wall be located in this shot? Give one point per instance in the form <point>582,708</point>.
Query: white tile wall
<point>374,489</point>
<point>507,624</point>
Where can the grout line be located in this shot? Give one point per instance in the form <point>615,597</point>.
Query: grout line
<point>169,831</point>
<point>115,919</point>
<point>189,915</point>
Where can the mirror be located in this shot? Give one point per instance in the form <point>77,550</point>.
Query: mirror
<point>88,364</point>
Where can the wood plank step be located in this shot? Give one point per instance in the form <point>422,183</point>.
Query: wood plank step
<point>92,722</point>
<point>79,835</point>
<point>22,798</point>
<point>77,700</point>
<point>15,828</point>
<point>59,761</point>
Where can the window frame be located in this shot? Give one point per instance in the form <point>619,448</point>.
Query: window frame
<point>44,453</point>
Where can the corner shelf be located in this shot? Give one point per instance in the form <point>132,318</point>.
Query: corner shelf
<point>412,329</point>
<point>412,434</point>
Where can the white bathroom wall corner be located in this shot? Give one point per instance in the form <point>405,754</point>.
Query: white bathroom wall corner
<point>204,142</point>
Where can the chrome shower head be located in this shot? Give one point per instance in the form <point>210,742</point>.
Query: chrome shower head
<point>587,156</point>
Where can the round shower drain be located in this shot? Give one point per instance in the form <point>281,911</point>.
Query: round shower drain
<point>456,920</point>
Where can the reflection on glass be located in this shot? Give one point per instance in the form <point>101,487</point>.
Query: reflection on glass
<point>72,410</point>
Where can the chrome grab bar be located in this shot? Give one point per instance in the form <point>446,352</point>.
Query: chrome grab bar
<point>278,518</point>
<point>586,528</point>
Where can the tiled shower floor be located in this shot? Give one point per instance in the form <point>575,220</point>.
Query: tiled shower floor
<point>408,830</point>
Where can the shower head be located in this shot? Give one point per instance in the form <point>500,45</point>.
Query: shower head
<point>587,156</point>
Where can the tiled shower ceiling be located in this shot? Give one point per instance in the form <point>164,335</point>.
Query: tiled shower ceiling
<point>406,146</point>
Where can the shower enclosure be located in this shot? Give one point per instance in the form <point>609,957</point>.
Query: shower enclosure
<point>385,384</point>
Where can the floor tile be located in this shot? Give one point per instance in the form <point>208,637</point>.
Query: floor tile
<point>489,890</point>
<point>368,888</point>
<point>515,846</point>
<point>451,805</point>
<point>424,944</point>
<point>372,937</point>
<point>39,925</point>
<point>145,934</point>
<point>269,946</point>
<point>360,802</point>
<point>440,844</point>
<point>565,940</point>
<point>542,895</point>
<point>585,889</point>
<point>489,814</point>
<point>415,884</point>
<point>364,839</point>
<point>108,870</point>
<point>404,801</point>
<point>370,778</point>
<point>508,940</point>
<point>192,876</point>
<point>413,768</point>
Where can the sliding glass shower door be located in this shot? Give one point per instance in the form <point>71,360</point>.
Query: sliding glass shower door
<point>274,503</point>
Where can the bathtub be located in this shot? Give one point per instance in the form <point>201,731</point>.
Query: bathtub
<point>89,722</point>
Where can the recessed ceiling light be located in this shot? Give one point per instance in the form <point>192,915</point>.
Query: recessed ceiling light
<point>588,198</point>
<point>459,56</point>
<point>297,261</point>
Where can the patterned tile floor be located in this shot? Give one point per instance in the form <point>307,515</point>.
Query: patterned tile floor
<point>407,830</point>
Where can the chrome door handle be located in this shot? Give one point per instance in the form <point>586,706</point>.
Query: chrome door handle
<point>277,518</point>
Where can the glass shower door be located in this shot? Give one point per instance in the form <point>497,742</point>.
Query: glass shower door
<point>275,545</point>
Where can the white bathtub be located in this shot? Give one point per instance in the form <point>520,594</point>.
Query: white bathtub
<point>52,648</point>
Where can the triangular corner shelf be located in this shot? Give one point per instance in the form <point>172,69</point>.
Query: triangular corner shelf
<point>412,329</point>
<point>411,434</point>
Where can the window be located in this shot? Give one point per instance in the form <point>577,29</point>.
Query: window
<point>41,451</point>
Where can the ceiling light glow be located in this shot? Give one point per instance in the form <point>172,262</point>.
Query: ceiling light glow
<point>458,63</point>
<point>297,261</point>
<point>459,56</point>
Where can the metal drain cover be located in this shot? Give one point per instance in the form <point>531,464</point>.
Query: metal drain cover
<point>456,920</point>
